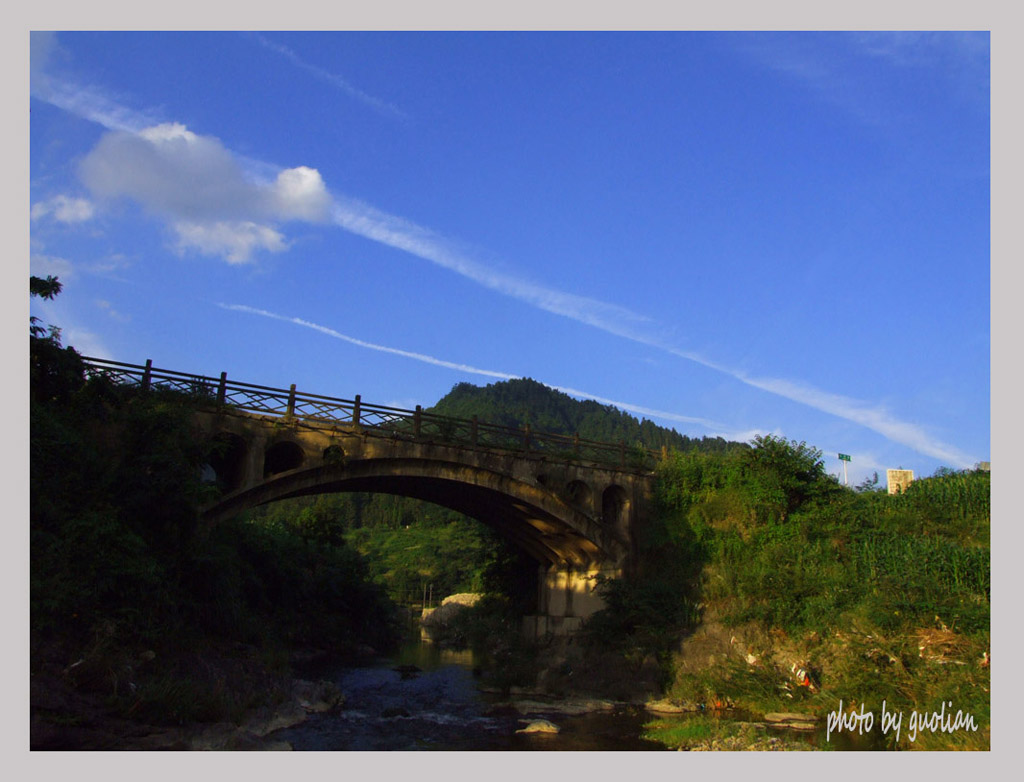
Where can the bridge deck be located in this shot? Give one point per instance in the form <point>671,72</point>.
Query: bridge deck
<point>290,404</point>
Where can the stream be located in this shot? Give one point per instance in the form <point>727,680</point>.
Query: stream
<point>442,708</point>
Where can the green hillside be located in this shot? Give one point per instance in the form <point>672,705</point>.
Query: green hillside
<point>516,403</point>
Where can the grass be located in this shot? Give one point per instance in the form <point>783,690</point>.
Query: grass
<point>879,597</point>
<point>703,731</point>
<point>682,732</point>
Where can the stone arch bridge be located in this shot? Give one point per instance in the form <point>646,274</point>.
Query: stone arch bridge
<point>573,505</point>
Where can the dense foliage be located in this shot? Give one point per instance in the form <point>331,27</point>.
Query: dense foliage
<point>120,563</point>
<point>115,491</point>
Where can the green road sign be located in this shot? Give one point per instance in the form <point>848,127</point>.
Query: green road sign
<point>844,457</point>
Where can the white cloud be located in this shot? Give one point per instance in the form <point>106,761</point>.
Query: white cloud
<point>234,241</point>
<point>86,342</point>
<point>199,186</point>
<point>300,194</point>
<point>838,67</point>
<point>107,307</point>
<point>112,263</point>
<point>90,103</point>
<point>171,171</point>
<point>65,209</point>
<point>906,48</point>
<point>46,265</point>
<point>42,45</point>
<point>745,435</point>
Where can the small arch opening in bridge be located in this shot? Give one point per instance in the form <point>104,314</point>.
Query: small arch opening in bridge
<point>334,454</point>
<point>614,505</point>
<point>227,460</point>
<point>579,494</point>
<point>280,457</point>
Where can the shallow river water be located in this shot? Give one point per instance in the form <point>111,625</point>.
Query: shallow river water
<point>441,708</point>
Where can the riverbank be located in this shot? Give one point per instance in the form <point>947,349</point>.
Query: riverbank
<point>219,697</point>
<point>419,698</point>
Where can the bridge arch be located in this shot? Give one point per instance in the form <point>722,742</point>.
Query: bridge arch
<point>580,494</point>
<point>574,519</point>
<point>227,460</point>
<point>282,456</point>
<point>614,506</point>
<point>537,520</point>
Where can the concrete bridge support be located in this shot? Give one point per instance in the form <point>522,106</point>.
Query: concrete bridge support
<point>566,596</point>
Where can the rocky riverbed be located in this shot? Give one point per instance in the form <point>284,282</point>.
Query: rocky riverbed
<point>424,699</point>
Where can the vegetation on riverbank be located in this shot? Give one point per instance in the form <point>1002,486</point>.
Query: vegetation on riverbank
<point>809,593</point>
<point>715,733</point>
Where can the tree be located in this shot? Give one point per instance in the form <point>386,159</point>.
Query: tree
<point>779,475</point>
<point>54,371</point>
<point>868,484</point>
<point>47,289</point>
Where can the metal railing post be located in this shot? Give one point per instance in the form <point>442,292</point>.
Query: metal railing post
<point>222,388</point>
<point>417,422</point>
<point>291,401</point>
<point>147,374</point>
<point>356,410</point>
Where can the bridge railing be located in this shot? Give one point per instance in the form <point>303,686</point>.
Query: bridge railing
<point>377,420</point>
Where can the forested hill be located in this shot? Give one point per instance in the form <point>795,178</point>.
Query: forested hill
<point>518,402</point>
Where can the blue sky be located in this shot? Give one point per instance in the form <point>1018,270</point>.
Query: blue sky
<point>729,233</point>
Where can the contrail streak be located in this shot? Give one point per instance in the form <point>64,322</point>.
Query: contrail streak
<point>393,231</point>
<point>468,368</point>
<point>331,78</point>
<point>390,230</point>
<point>364,220</point>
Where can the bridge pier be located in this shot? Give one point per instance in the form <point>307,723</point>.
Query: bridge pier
<point>566,596</point>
